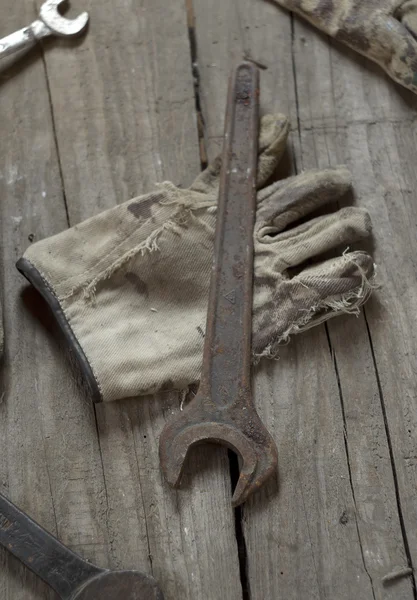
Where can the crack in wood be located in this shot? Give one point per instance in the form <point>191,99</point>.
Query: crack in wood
<point>392,460</point>
<point>107,511</point>
<point>196,80</point>
<point>54,133</point>
<point>297,103</point>
<point>352,487</point>
<point>240,536</point>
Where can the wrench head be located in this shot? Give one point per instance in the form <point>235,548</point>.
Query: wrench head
<point>120,585</point>
<point>241,431</point>
<point>60,25</point>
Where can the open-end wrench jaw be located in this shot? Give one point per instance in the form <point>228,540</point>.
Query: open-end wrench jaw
<point>60,25</point>
<point>243,432</point>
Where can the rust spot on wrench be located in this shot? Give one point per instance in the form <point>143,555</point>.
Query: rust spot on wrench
<point>223,411</point>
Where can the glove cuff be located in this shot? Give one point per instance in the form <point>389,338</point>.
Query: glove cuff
<point>35,278</point>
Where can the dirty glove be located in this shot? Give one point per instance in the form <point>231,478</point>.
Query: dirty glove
<point>129,287</point>
<point>383,30</point>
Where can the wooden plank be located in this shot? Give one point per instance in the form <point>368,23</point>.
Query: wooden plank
<point>49,455</point>
<point>190,533</point>
<point>333,528</point>
<point>230,33</point>
<point>375,141</point>
<point>124,110</point>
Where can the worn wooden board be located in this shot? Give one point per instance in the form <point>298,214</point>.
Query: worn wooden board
<point>124,113</point>
<point>50,461</point>
<point>334,528</point>
<point>94,122</point>
<point>379,434</point>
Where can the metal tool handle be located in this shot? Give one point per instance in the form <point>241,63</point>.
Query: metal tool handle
<point>24,39</point>
<point>57,565</point>
<point>227,349</point>
<point>223,410</point>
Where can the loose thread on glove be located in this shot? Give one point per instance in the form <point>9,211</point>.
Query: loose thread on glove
<point>397,573</point>
<point>183,397</point>
<point>148,245</point>
<point>185,212</point>
<point>348,303</point>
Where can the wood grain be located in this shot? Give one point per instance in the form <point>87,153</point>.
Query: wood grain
<point>333,529</point>
<point>90,123</point>
<point>50,461</point>
<point>377,433</point>
<point>124,112</point>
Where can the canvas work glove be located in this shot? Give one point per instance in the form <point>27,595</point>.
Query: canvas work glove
<point>129,287</point>
<point>383,30</point>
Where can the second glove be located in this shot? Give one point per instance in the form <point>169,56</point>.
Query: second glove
<point>383,30</point>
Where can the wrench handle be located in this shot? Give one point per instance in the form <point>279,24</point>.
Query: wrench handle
<point>227,350</point>
<point>42,553</point>
<point>24,39</point>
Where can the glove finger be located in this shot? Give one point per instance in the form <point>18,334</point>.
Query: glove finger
<point>337,278</point>
<point>407,14</point>
<point>295,246</point>
<point>340,285</point>
<point>390,43</point>
<point>272,143</point>
<point>273,136</point>
<point>289,200</point>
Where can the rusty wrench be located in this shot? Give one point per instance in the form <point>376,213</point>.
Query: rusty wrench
<point>50,22</point>
<point>223,411</point>
<point>64,571</point>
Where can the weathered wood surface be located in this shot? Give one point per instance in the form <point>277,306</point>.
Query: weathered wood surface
<point>334,528</point>
<point>49,454</point>
<point>121,117</point>
<point>91,124</point>
<point>125,119</point>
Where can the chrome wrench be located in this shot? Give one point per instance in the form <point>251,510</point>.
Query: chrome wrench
<point>50,22</point>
